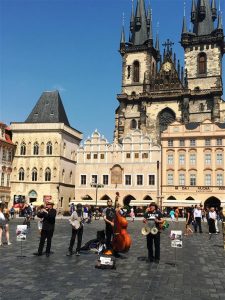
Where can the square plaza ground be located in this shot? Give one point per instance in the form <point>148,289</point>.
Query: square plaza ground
<point>199,272</point>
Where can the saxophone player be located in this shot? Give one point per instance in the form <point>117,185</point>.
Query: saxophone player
<point>153,217</point>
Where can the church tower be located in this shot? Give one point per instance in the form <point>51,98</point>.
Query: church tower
<point>151,85</point>
<point>204,48</point>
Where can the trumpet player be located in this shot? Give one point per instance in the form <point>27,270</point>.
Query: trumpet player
<point>153,218</point>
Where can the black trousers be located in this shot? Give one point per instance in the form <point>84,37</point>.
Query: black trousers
<point>156,239</point>
<point>198,224</point>
<point>79,234</point>
<point>109,235</point>
<point>45,234</point>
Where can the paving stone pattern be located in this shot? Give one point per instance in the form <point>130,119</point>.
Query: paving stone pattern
<point>197,273</point>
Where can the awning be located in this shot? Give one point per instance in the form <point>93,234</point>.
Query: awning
<point>37,203</point>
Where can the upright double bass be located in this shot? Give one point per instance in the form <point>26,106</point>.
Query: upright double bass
<point>121,241</point>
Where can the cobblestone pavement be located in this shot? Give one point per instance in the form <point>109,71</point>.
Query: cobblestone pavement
<point>198,273</point>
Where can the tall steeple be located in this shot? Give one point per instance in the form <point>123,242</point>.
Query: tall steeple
<point>214,10</point>
<point>139,32</point>
<point>203,17</point>
<point>220,23</point>
<point>149,24</point>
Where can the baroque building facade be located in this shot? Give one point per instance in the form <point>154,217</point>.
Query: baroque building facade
<point>44,161</point>
<point>193,164</point>
<point>129,167</point>
<point>7,149</point>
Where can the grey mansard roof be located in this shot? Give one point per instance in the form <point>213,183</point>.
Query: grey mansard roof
<point>48,109</point>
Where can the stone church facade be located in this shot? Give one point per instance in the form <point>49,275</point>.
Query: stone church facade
<point>156,90</point>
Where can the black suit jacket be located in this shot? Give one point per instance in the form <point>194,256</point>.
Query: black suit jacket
<point>48,219</point>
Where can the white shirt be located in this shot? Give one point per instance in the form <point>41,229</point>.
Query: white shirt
<point>197,213</point>
<point>212,215</point>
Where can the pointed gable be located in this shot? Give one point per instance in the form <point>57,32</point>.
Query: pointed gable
<point>48,109</point>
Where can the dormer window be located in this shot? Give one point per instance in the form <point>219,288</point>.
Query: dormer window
<point>202,64</point>
<point>136,71</point>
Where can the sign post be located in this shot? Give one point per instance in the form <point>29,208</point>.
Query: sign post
<point>21,236</point>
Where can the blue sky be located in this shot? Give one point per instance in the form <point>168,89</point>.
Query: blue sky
<point>72,46</point>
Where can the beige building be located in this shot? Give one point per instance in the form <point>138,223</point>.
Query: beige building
<point>193,164</point>
<point>44,162</point>
<point>129,168</point>
<point>7,149</point>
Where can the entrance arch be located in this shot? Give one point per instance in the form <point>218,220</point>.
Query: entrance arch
<point>212,202</point>
<point>32,196</point>
<point>127,199</point>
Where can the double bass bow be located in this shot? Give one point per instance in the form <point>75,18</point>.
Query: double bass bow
<point>121,241</point>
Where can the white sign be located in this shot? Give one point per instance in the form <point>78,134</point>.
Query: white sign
<point>106,260</point>
<point>176,238</point>
<point>21,233</point>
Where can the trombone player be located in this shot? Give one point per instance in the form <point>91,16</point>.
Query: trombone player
<point>153,218</point>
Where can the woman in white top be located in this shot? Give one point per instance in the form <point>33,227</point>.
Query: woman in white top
<point>4,226</point>
<point>211,221</point>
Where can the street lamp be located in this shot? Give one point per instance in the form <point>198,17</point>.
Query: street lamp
<point>97,186</point>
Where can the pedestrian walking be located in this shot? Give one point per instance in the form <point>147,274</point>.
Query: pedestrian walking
<point>177,214</point>
<point>76,221</point>
<point>132,214</point>
<point>172,214</point>
<point>12,212</point>
<point>189,219</point>
<point>198,219</point>
<point>48,215</point>
<point>211,220</point>
<point>4,226</point>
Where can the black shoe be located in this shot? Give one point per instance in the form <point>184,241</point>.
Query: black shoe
<point>37,254</point>
<point>157,261</point>
<point>200,232</point>
<point>47,254</point>
<point>150,260</point>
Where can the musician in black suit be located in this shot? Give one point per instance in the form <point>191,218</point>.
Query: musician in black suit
<point>47,214</point>
<point>76,220</point>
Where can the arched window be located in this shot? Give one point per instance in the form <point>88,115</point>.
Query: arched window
<point>36,148</point>
<point>71,177</point>
<point>2,179</point>
<point>34,174</point>
<point>136,71</point>
<point>201,107</point>
<point>21,174</point>
<point>49,148</point>
<point>202,63</point>
<point>153,69</point>
<point>23,149</point>
<point>133,124</point>
<point>47,174</point>
<point>165,117</point>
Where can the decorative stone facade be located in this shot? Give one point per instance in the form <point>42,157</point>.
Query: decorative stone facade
<point>129,168</point>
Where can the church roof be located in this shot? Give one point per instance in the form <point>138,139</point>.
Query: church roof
<point>48,109</point>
